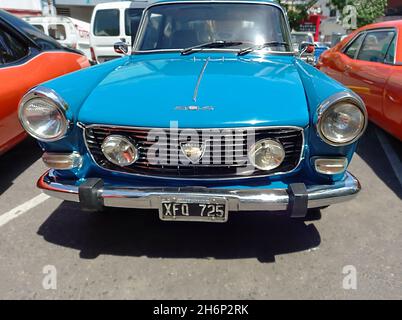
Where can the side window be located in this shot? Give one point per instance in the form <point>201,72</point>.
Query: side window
<point>375,46</point>
<point>132,20</point>
<point>354,46</point>
<point>107,23</point>
<point>11,48</point>
<point>57,31</point>
<point>39,27</point>
<point>390,57</point>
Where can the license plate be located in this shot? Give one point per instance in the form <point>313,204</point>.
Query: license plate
<point>195,209</point>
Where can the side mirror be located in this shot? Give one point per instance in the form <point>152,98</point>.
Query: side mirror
<point>306,47</point>
<point>121,48</point>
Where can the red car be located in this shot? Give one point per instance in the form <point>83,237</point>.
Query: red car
<point>27,58</point>
<point>369,62</point>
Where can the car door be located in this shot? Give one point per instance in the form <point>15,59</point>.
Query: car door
<point>392,105</point>
<point>335,62</point>
<point>367,74</point>
<point>14,52</point>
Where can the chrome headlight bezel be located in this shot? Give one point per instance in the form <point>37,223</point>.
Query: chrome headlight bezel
<point>259,145</point>
<point>334,100</point>
<point>122,139</point>
<point>51,97</point>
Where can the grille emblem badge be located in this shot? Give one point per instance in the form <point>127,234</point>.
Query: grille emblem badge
<point>193,151</point>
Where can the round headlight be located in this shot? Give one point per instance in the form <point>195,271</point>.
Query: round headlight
<point>43,119</point>
<point>267,154</point>
<point>42,114</point>
<point>119,150</point>
<point>341,123</point>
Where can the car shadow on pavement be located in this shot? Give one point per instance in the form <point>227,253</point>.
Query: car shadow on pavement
<point>127,233</point>
<point>16,161</point>
<point>372,152</point>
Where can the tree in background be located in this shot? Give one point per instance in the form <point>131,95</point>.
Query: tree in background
<point>368,11</point>
<point>297,13</point>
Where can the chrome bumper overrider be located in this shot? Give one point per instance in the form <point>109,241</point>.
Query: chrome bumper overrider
<point>237,199</point>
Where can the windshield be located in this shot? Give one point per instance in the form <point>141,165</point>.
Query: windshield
<point>178,26</point>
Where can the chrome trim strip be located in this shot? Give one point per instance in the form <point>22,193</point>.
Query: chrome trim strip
<point>301,158</point>
<point>55,99</point>
<point>141,28</point>
<point>333,100</point>
<point>238,199</point>
<point>197,86</point>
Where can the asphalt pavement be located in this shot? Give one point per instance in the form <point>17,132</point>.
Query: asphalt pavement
<point>49,249</point>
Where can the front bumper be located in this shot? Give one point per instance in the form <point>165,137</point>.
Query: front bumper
<point>93,194</point>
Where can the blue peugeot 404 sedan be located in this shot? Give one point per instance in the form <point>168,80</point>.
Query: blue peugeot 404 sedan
<point>213,112</point>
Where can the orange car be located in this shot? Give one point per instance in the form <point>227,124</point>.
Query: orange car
<point>369,61</point>
<point>27,58</point>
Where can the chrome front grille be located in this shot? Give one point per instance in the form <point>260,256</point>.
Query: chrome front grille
<point>291,138</point>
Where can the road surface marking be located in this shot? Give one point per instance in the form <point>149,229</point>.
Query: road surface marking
<point>393,158</point>
<point>21,209</point>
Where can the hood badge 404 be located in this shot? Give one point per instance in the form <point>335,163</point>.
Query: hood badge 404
<point>195,108</point>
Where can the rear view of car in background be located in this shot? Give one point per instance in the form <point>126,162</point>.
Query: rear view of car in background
<point>69,32</point>
<point>369,62</point>
<point>114,22</point>
<point>320,48</point>
<point>27,58</point>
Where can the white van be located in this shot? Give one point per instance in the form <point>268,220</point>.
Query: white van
<point>69,32</point>
<point>114,22</point>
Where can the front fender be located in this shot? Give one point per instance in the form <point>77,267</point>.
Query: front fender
<point>75,91</point>
<point>318,88</point>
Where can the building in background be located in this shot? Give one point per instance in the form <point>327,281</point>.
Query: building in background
<point>324,22</point>
<point>394,10</point>
<point>22,7</point>
<point>78,9</point>
<point>331,22</point>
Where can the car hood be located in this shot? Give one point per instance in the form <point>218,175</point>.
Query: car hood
<point>199,91</point>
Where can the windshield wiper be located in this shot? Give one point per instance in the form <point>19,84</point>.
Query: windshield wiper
<point>212,44</point>
<point>245,51</point>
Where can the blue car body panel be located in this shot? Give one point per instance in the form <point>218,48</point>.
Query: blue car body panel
<point>319,51</point>
<point>250,91</point>
<point>243,92</point>
<point>143,90</point>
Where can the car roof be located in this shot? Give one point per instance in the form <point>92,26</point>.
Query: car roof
<point>123,4</point>
<point>209,1</point>
<point>47,19</point>
<point>384,24</point>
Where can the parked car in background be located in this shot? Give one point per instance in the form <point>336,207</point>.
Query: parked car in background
<point>69,32</point>
<point>27,58</point>
<point>298,39</point>
<point>211,113</point>
<point>112,22</point>
<point>369,62</point>
<point>336,38</point>
<point>319,48</point>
